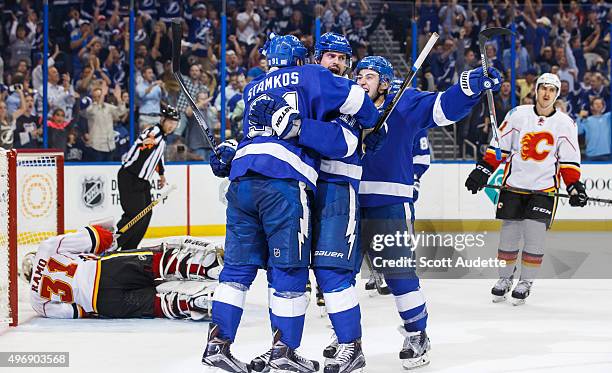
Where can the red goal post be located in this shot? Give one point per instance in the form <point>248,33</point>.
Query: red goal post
<point>31,210</point>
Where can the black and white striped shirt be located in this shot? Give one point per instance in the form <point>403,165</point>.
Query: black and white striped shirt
<point>142,160</point>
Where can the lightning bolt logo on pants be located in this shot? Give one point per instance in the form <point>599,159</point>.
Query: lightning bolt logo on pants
<point>303,232</point>
<point>352,222</point>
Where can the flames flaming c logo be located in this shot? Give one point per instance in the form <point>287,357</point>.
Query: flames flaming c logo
<point>530,143</point>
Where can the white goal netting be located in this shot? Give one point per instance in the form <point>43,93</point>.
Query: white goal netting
<point>31,184</point>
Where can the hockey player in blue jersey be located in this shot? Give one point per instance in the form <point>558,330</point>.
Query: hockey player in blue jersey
<point>387,189</point>
<point>336,254</point>
<point>269,200</point>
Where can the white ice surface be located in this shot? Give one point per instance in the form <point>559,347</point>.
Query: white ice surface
<point>566,326</point>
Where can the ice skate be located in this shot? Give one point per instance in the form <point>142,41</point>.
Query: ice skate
<point>349,358</point>
<point>217,353</point>
<point>330,351</point>
<point>261,362</point>
<point>501,289</point>
<point>285,359</point>
<point>377,285</point>
<point>321,302</point>
<point>414,354</point>
<point>521,292</point>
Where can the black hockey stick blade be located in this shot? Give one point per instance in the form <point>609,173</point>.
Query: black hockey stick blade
<point>494,31</point>
<point>177,36</point>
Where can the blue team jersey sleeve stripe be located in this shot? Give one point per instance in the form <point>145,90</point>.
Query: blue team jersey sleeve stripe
<point>438,113</point>
<point>351,142</point>
<point>353,101</point>
<point>281,153</point>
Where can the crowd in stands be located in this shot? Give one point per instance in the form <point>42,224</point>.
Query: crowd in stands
<point>570,39</point>
<point>88,76</point>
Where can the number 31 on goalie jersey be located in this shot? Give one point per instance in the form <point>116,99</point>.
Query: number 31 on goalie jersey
<point>258,129</point>
<point>63,289</point>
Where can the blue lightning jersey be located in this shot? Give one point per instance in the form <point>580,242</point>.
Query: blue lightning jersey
<point>421,154</point>
<point>388,174</point>
<point>317,94</point>
<point>338,144</point>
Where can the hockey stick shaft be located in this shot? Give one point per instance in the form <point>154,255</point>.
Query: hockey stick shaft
<point>408,81</point>
<point>541,193</point>
<point>177,35</point>
<point>146,210</point>
<point>490,102</point>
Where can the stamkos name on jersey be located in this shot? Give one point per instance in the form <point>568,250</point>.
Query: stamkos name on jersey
<point>331,254</point>
<point>277,81</point>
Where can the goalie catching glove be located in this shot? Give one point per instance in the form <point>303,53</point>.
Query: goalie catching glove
<point>273,111</point>
<point>478,177</point>
<point>474,82</point>
<point>221,166</point>
<point>578,196</point>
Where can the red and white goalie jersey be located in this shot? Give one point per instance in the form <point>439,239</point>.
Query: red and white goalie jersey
<point>537,149</point>
<point>66,273</point>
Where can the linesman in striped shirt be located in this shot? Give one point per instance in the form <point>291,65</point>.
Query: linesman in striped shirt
<point>145,157</point>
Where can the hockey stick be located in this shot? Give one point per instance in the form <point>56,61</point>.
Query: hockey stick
<point>483,37</point>
<point>146,210</point>
<point>177,35</point>
<point>541,193</point>
<point>408,81</point>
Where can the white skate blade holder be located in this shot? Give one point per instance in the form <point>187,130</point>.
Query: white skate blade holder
<point>420,361</point>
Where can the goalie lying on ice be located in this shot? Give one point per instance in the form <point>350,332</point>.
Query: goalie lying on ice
<point>79,275</point>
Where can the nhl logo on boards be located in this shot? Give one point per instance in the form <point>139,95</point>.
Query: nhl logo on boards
<point>92,192</point>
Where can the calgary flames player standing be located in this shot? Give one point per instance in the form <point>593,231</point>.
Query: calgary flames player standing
<point>539,145</point>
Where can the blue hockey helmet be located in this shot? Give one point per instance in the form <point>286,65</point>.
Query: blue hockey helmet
<point>379,64</point>
<point>284,50</point>
<point>333,42</point>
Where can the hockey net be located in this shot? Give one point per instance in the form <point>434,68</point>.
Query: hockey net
<point>31,210</point>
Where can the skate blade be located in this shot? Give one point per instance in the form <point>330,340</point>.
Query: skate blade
<point>322,311</point>
<point>410,364</point>
<point>373,293</point>
<point>518,302</point>
<point>499,298</point>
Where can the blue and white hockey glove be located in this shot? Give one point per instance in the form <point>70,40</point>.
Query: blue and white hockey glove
<point>221,167</point>
<point>374,141</point>
<point>473,82</point>
<point>273,111</point>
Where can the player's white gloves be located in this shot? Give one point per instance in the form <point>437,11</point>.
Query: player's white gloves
<point>578,196</point>
<point>273,111</point>
<point>473,82</point>
<point>221,166</point>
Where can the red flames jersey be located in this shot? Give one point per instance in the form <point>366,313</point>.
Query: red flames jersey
<point>66,273</point>
<point>538,150</point>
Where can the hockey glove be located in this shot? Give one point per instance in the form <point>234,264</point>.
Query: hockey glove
<point>273,111</point>
<point>374,141</point>
<point>478,177</point>
<point>473,82</point>
<point>416,188</point>
<point>578,196</point>
<point>221,166</point>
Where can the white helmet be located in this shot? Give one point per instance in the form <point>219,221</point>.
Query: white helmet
<point>552,79</point>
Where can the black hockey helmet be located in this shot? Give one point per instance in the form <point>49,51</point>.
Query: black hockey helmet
<point>170,112</point>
